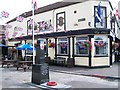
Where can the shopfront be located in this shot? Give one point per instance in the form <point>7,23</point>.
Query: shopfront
<point>66,31</point>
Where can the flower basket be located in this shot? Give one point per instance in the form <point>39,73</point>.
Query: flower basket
<point>86,43</point>
<point>115,45</point>
<point>100,44</point>
<point>51,44</point>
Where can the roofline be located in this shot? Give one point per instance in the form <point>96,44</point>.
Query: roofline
<point>45,9</point>
<point>50,7</point>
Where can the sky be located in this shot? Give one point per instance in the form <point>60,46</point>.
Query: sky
<point>17,7</point>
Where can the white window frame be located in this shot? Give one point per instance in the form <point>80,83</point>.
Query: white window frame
<point>105,52</point>
<point>58,47</point>
<point>76,45</point>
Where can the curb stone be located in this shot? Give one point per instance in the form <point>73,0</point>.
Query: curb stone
<point>92,75</point>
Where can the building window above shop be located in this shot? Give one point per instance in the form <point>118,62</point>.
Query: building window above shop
<point>100,22</point>
<point>81,46</point>
<point>101,45</point>
<point>62,46</point>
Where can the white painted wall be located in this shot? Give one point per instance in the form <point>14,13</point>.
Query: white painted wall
<point>51,51</point>
<point>82,61</point>
<point>84,10</point>
<point>17,24</point>
<point>100,61</point>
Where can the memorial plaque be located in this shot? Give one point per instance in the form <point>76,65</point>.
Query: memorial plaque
<point>40,70</point>
<point>40,55</point>
<point>40,73</point>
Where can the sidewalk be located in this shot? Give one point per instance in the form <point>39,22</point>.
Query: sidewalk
<point>109,72</point>
<point>12,78</point>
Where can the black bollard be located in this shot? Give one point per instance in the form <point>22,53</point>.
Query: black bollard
<point>40,70</point>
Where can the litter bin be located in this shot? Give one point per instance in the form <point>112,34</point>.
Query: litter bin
<point>70,62</point>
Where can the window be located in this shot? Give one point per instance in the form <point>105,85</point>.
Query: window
<point>101,45</point>
<point>62,46</point>
<point>103,22</point>
<point>81,45</point>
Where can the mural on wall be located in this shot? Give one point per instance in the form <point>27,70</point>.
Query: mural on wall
<point>14,34</point>
<point>6,33</point>
<point>45,26</point>
<point>8,26</point>
<point>60,23</point>
<point>39,27</point>
<point>17,30</point>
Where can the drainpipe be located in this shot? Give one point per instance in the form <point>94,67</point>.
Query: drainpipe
<point>53,19</point>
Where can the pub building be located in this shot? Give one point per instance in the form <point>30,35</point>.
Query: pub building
<point>69,30</point>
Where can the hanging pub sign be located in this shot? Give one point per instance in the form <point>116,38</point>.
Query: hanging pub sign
<point>60,21</point>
